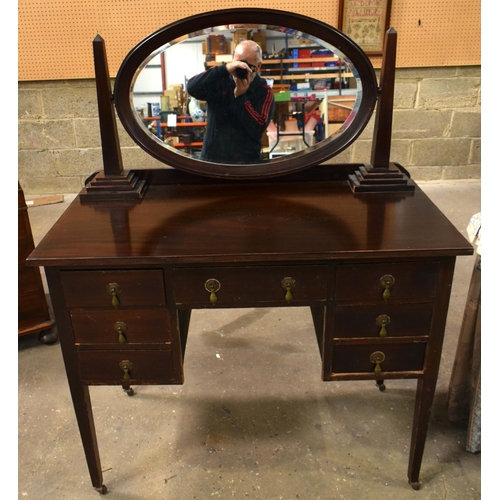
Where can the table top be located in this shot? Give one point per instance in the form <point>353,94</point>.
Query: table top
<point>237,222</point>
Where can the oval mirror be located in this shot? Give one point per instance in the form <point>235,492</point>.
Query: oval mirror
<point>324,89</point>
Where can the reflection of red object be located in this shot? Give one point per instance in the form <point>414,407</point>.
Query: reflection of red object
<point>302,54</point>
<point>313,114</point>
<point>303,97</point>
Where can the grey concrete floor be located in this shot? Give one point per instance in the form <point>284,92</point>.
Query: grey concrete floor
<point>253,418</point>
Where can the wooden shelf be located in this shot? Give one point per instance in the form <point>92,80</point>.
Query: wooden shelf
<point>301,60</point>
<point>287,61</point>
<point>188,124</point>
<point>187,145</point>
<point>306,76</point>
<point>303,73</point>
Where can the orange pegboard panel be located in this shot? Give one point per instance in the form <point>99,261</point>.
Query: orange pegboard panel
<point>55,36</point>
<point>437,32</point>
<point>136,20</point>
<point>49,38</point>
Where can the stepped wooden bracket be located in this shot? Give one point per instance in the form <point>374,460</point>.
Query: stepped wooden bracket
<point>113,182</point>
<point>368,179</point>
<point>381,174</point>
<point>125,186</point>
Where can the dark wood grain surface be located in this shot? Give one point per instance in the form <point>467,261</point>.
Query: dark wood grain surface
<point>272,221</point>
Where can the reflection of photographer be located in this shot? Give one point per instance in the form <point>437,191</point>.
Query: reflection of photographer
<point>239,106</point>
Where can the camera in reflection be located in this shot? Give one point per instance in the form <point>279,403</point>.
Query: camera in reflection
<point>241,73</point>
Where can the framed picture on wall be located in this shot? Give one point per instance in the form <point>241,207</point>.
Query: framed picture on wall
<point>365,22</point>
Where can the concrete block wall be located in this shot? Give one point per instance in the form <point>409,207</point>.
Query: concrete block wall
<point>436,130</point>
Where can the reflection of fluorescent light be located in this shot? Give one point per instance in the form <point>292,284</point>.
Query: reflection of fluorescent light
<point>279,154</point>
<point>223,58</point>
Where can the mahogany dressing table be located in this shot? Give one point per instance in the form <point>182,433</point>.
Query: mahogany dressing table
<point>359,244</point>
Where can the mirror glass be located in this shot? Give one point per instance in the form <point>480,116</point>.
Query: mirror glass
<point>323,86</point>
<point>317,89</point>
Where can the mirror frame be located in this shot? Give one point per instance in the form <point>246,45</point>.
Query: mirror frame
<point>302,160</point>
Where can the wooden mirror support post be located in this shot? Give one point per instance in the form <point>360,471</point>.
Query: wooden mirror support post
<point>381,174</point>
<point>113,182</point>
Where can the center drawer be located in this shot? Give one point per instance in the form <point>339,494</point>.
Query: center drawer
<point>226,286</point>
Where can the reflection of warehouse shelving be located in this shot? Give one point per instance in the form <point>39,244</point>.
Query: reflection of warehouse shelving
<point>164,130</point>
<point>283,69</point>
<point>318,65</point>
<point>307,72</point>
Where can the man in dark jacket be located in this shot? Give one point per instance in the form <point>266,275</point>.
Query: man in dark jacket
<point>240,105</point>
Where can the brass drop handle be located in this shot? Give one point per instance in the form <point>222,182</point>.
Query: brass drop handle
<point>377,358</point>
<point>121,328</point>
<point>383,320</point>
<point>288,284</point>
<point>126,366</point>
<point>387,281</point>
<point>212,286</point>
<point>114,289</point>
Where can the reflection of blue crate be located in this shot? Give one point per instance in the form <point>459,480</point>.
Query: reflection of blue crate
<point>321,53</point>
<point>155,108</point>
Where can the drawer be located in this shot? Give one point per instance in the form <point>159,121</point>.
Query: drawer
<point>382,320</point>
<point>250,285</point>
<point>411,281</point>
<point>398,357</point>
<point>134,288</point>
<point>120,327</point>
<point>146,367</point>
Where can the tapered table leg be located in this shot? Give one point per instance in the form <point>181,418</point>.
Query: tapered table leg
<point>426,386</point>
<point>84,416</point>
<point>423,405</point>
<point>79,392</point>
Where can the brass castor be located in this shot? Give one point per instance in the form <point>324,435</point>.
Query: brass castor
<point>102,489</point>
<point>415,485</point>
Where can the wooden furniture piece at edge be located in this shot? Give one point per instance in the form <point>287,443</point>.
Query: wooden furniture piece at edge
<point>33,310</point>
